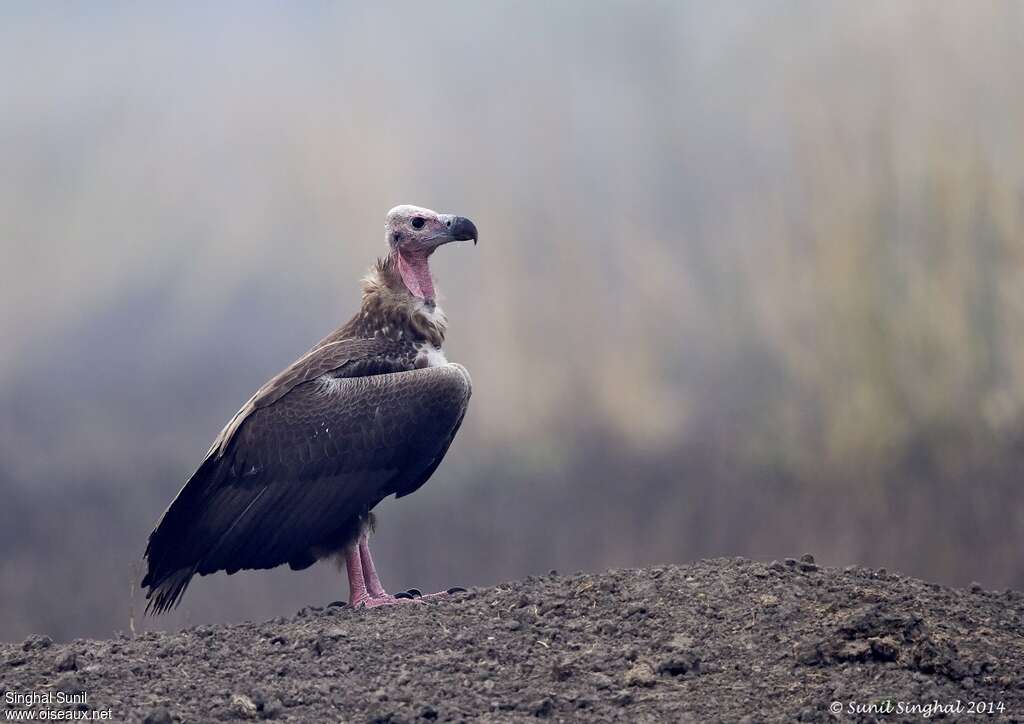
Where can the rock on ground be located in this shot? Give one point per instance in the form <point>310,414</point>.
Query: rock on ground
<point>718,640</point>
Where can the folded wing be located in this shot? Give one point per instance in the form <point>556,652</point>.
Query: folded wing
<point>294,475</point>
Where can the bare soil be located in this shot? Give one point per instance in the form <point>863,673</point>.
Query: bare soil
<point>718,640</point>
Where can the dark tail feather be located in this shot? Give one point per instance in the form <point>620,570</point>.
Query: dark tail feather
<point>169,572</point>
<point>166,594</point>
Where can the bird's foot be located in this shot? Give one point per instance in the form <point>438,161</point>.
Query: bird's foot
<point>385,600</point>
<point>416,594</point>
<point>377,601</point>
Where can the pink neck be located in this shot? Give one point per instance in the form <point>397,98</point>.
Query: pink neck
<point>416,275</point>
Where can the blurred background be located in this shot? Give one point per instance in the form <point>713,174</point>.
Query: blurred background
<point>750,280</point>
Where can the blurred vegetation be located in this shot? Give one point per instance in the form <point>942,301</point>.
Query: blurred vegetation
<point>751,279</point>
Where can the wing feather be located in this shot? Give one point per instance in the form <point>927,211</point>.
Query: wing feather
<point>384,355</point>
<point>297,471</point>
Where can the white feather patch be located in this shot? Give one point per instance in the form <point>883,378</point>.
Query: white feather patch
<point>432,313</point>
<point>434,356</point>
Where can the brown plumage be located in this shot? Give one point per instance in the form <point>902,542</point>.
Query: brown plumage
<point>368,412</point>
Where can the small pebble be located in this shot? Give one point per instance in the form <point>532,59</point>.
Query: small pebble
<point>623,698</point>
<point>640,675</point>
<point>273,709</point>
<point>36,642</point>
<point>243,705</point>
<point>541,707</point>
<point>160,715</point>
<point>67,662</point>
<point>69,684</point>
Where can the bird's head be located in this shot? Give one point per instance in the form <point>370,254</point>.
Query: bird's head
<point>413,233</point>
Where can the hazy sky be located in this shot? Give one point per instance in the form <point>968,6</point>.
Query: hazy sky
<point>787,231</point>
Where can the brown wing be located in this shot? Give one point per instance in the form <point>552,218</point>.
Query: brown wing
<point>298,471</point>
<point>375,355</point>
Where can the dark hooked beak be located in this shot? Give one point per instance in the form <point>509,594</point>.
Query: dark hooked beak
<point>461,229</point>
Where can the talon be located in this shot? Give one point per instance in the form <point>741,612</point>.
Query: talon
<point>415,592</point>
<point>336,604</point>
<point>456,589</point>
<point>404,594</point>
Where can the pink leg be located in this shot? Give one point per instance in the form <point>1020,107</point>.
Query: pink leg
<point>357,594</point>
<point>365,589</point>
<point>370,578</point>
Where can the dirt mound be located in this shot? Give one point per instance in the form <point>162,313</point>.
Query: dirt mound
<point>720,640</point>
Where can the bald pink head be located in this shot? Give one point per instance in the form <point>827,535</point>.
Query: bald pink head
<point>413,234</point>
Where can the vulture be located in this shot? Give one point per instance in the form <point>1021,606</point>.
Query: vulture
<point>368,412</point>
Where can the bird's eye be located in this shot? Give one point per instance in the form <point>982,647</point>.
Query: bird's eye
<point>418,222</point>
